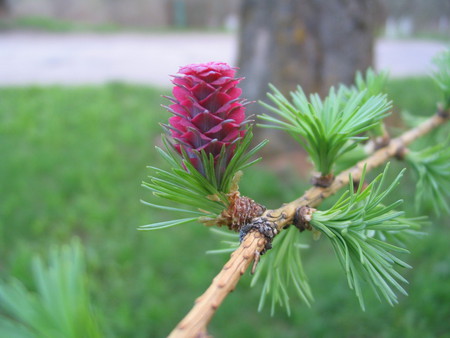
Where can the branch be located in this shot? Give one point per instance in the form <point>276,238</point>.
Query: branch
<point>194,324</point>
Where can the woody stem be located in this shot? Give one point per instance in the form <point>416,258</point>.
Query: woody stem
<point>194,324</point>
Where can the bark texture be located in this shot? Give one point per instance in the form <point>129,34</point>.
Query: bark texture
<point>314,43</point>
<point>4,8</point>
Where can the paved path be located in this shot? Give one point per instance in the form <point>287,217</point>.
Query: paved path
<point>43,58</point>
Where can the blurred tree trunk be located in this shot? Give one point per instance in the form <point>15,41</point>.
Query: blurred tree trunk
<point>312,43</point>
<point>4,8</point>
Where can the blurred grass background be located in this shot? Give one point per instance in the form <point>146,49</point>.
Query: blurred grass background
<point>72,159</point>
<point>52,25</point>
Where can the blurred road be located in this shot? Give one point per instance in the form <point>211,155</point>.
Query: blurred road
<point>45,58</point>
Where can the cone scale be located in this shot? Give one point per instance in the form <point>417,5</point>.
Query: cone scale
<point>208,114</point>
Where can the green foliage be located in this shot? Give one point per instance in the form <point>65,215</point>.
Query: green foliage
<point>373,83</point>
<point>431,167</point>
<point>442,76</point>
<point>327,129</point>
<point>350,158</point>
<point>70,159</point>
<point>358,226</point>
<point>365,235</point>
<point>417,95</point>
<point>71,162</point>
<point>60,307</point>
<point>185,185</point>
<point>230,239</point>
<point>282,273</point>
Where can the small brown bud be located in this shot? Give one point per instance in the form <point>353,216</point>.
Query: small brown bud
<point>240,212</point>
<point>322,181</point>
<point>302,217</point>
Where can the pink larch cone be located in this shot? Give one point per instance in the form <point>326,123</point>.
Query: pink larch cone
<point>208,113</point>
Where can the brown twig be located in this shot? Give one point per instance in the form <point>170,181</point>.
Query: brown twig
<point>196,321</point>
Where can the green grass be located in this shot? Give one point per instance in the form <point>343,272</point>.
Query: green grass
<point>428,35</point>
<point>417,95</point>
<point>48,24</point>
<point>54,25</point>
<point>72,160</point>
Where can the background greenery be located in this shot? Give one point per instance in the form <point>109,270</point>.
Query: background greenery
<point>72,159</point>
<point>48,24</point>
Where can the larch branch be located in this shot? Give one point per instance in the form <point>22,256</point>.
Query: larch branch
<point>195,323</point>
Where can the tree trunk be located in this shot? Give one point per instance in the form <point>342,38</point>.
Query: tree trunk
<point>311,43</point>
<point>4,8</point>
